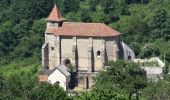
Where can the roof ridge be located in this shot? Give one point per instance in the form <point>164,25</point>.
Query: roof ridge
<point>86,22</point>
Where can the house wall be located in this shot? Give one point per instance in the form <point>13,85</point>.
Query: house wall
<point>57,76</point>
<point>82,49</point>
<point>83,44</point>
<point>66,48</point>
<point>45,56</point>
<point>61,48</point>
<point>111,48</point>
<point>98,46</point>
<point>50,39</point>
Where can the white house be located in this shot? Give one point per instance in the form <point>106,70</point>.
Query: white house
<point>59,75</point>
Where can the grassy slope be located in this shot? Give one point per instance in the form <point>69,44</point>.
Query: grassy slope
<point>20,67</point>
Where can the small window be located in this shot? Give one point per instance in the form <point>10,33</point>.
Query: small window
<point>98,53</point>
<point>52,48</point>
<point>129,57</point>
<point>60,24</point>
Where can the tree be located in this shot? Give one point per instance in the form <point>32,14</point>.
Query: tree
<point>135,47</point>
<point>85,16</point>
<point>71,6</point>
<point>136,1</point>
<point>125,77</point>
<point>149,50</point>
<point>27,88</point>
<point>157,90</point>
<point>92,5</point>
<point>113,8</point>
<point>101,94</point>
<point>161,24</point>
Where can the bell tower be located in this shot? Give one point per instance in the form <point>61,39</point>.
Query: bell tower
<point>55,19</point>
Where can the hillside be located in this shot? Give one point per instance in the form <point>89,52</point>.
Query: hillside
<point>144,24</point>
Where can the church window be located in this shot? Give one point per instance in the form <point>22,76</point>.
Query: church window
<point>60,24</point>
<point>66,61</point>
<point>52,48</point>
<point>129,57</point>
<point>98,53</point>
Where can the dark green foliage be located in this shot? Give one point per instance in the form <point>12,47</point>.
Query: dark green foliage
<point>27,88</point>
<point>136,47</point>
<point>157,91</point>
<point>85,16</point>
<point>149,50</point>
<point>136,1</point>
<point>125,77</point>
<point>19,37</point>
<point>113,9</point>
<point>102,94</point>
<point>145,25</point>
<point>31,44</point>
<point>93,4</point>
<point>71,5</point>
<point>24,9</point>
<point>161,24</point>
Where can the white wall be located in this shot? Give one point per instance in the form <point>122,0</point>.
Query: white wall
<point>57,76</point>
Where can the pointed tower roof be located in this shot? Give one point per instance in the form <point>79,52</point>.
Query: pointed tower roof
<point>55,15</point>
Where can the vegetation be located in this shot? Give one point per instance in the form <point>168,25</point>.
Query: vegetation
<point>145,25</point>
<point>150,64</point>
<point>125,77</point>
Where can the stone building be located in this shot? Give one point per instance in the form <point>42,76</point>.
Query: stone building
<point>86,46</point>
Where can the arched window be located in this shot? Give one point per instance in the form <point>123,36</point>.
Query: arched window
<point>66,61</point>
<point>52,48</point>
<point>129,57</point>
<point>98,53</point>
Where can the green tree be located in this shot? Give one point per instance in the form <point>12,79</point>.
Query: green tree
<point>92,4</point>
<point>101,94</point>
<point>161,24</point>
<point>71,6</point>
<point>27,88</point>
<point>125,77</point>
<point>85,16</point>
<point>149,50</point>
<point>157,90</point>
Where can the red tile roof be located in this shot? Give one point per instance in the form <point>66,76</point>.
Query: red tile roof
<point>78,28</point>
<point>55,15</point>
<point>82,29</point>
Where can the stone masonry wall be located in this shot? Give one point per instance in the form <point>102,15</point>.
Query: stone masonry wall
<point>61,48</point>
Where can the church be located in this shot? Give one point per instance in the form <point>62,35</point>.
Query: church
<point>79,48</point>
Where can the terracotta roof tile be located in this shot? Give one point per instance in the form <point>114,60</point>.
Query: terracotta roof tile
<point>55,15</point>
<point>83,29</point>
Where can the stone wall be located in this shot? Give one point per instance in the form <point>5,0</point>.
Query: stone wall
<point>45,59</point>
<point>82,48</point>
<point>101,50</point>
<point>111,48</point>
<point>66,48</point>
<point>52,48</point>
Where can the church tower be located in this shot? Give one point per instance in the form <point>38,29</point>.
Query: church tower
<point>55,19</point>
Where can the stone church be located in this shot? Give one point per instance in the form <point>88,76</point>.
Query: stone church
<point>87,47</point>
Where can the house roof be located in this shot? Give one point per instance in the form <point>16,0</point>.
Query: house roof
<point>55,15</point>
<point>62,69</point>
<point>83,29</point>
<point>78,28</point>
